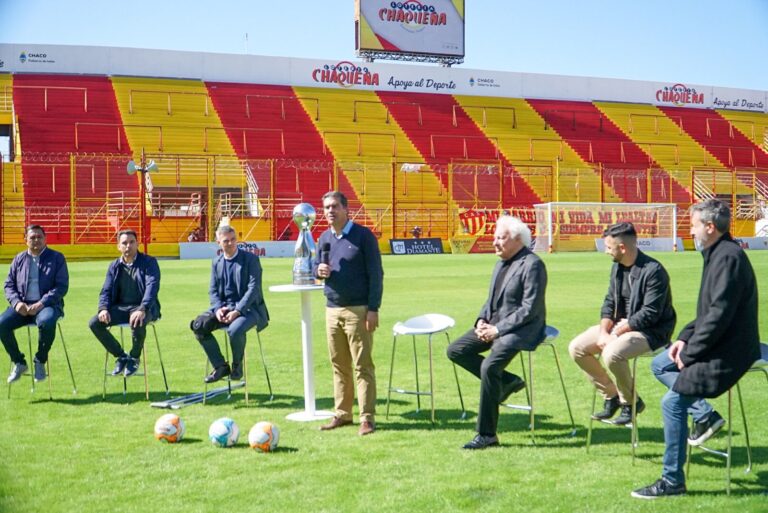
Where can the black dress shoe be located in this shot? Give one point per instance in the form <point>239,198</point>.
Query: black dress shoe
<point>237,371</point>
<point>218,373</point>
<point>625,417</point>
<point>510,388</point>
<point>610,407</point>
<point>481,442</point>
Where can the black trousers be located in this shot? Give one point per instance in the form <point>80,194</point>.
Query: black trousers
<point>120,315</point>
<point>465,352</point>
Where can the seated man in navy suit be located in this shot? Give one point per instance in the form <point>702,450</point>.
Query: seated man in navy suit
<point>237,304</point>
<point>512,319</point>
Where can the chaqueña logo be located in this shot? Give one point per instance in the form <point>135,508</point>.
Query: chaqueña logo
<point>413,15</point>
<point>679,95</point>
<point>345,74</point>
<point>23,57</point>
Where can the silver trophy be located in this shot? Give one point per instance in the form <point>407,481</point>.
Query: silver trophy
<point>304,216</point>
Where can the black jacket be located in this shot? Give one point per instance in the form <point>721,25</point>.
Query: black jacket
<point>650,309</point>
<point>147,279</point>
<point>723,341</point>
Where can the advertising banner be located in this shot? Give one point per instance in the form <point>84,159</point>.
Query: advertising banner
<point>658,244</point>
<point>435,27</point>
<point>374,76</point>
<point>416,246</point>
<point>753,242</point>
<point>208,250</point>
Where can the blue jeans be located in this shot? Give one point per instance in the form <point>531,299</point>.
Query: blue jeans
<point>45,319</point>
<point>675,409</point>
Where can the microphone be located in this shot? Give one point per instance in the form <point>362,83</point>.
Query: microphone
<point>325,254</point>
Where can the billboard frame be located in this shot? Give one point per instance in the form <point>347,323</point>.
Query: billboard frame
<point>370,54</point>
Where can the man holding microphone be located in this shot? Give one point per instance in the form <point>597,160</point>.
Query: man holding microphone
<point>349,261</point>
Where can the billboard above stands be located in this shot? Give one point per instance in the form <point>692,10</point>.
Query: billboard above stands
<point>433,27</point>
<point>208,250</point>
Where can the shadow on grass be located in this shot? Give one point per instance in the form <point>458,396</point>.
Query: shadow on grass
<point>603,434</point>
<point>738,460</point>
<point>418,420</point>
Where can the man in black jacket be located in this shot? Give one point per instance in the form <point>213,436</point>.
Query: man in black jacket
<point>714,350</point>
<point>128,296</point>
<point>637,317</point>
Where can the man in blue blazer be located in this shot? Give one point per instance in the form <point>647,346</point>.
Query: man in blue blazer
<point>35,287</point>
<point>237,304</point>
<point>512,319</point>
<point>129,296</point>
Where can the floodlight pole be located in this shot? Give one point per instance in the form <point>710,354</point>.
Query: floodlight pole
<point>142,169</point>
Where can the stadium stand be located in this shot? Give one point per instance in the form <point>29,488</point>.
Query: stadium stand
<point>59,116</point>
<point>246,153</point>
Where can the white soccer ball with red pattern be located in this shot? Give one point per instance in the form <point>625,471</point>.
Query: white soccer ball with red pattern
<point>169,428</point>
<point>264,436</point>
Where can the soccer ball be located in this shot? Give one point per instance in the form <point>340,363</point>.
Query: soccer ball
<point>264,436</point>
<point>223,432</point>
<point>169,428</point>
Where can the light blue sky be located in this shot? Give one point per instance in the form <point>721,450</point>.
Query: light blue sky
<point>706,42</point>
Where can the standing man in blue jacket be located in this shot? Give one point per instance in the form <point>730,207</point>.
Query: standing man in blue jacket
<point>237,304</point>
<point>351,268</point>
<point>35,287</point>
<point>129,296</point>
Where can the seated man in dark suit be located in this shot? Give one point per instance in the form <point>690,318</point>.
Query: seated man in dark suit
<point>237,304</point>
<point>512,319</point>
<point>35,287</point>
<point>129,296</point>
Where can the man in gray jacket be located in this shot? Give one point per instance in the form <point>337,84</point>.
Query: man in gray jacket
<point>637,317</point>
<point>512,319</point>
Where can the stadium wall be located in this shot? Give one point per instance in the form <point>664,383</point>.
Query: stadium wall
<point>27,58</point>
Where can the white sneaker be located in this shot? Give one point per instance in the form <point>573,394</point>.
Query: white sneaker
<point>17,371</point>
<point>40,374</point>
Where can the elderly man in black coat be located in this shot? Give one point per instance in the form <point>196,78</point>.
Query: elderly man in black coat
<point>713,351</point>
<point>513,319</point>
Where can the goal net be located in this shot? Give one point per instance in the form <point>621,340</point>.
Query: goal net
<point>575,226</point>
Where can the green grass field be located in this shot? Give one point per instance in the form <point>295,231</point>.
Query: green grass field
<point>78,453</point>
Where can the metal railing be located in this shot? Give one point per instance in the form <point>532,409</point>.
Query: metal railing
<point>485,109</point>
<point>169,95</point>
<point>8,93</point>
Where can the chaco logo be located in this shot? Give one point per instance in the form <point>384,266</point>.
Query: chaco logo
<point>679,95</point>
<point>23,57</point>
<point>413,15</point>
<point>345,74</point>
